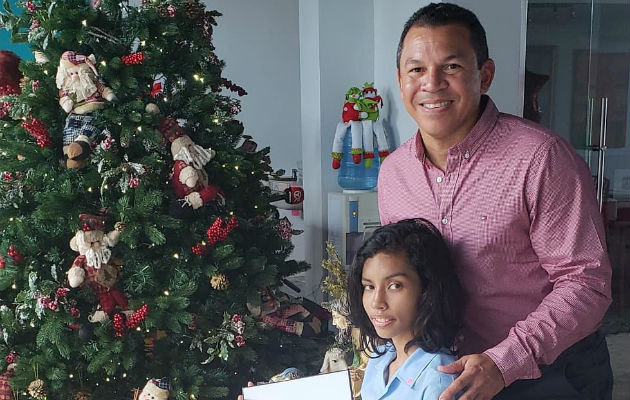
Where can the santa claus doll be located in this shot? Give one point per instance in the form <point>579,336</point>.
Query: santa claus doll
<point>81,91</point>
<point>189,178</point>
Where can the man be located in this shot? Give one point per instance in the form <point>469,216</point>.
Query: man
<point>518,208</point>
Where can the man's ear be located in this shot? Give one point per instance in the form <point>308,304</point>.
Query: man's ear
<point>486,74</point>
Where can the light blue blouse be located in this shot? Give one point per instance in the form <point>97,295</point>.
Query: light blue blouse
<point>417,379</point>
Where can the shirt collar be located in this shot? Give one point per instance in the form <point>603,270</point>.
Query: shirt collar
<point>410,371</point>
<point>473,140</point>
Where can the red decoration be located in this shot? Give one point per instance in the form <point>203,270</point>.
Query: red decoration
<point>12,357</point>
<point>200,249</point>
<point>140,315</point>
<point>236,318</point>
<point>6,176</point>
<point>240,341</point>
<point>170,129</point>
<point>15,255</point>
<point>75,312</point>
<point>133,59</point>
<point>134,182</point>
<point>86,227</point>
<point>233,87</point>
<point>171,10</point>
<point>62,292</point>
<point>119,324</point>
<point>218,231</point>
<point>2,262</point>
<point>30,6</point>
<point>132,322</point>
<point>38,130</point>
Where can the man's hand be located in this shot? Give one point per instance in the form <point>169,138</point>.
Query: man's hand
<point>249,384</point>
<point>480,378</point>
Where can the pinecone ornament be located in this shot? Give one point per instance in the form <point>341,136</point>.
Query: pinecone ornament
<point>219,282</point>
<point>37,389</point>
<point>83,395</point>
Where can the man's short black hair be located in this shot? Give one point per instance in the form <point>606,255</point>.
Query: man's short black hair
<point>441,303</point>
<point>440,14</point>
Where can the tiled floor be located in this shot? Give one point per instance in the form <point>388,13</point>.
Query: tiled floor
<point>619,348</point>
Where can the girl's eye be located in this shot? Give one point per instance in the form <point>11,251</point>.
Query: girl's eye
<point>395,285</point>
<point>368,287</point>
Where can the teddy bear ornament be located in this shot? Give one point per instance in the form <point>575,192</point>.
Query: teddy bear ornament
<point>81,91</point>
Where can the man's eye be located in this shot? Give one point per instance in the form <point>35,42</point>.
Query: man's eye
<point>415,70</point>
<point>452,67</point>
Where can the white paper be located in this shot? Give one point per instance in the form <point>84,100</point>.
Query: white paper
<point>333,386</point>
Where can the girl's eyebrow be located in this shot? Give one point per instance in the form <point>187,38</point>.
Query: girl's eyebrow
<point>403,274</point>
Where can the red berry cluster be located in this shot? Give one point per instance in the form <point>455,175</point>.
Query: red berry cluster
<point>38,130</point>
<point>120,325</point>
<point>12,357</point>
<point>30,6</point>
<point>219,231</point>
<point>133,59</point>
<point>6,176</point>
<point>140,315</point>
<point>240,341</point>
<point>2,262</point>
<point>199,249</point>
<point>15,255</point>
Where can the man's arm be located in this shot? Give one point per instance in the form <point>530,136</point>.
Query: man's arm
<point>566,232</point>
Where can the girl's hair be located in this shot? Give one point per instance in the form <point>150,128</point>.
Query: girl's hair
<point>440,307</point>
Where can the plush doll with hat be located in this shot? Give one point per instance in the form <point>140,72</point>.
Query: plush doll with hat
<point>155,389</point>
<point>92,266</point>
<point>81,91</point>
<point>189,178</point>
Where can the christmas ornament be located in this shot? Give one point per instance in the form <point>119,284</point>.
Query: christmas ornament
<point>15,255</point>
<point>38,130</point>
<point>152,108</point>
<point>83,395</point>
<point>159,81</point>
<point>119,324</point>
<point>79,97</point>
<point>219,231</point>
<point>6,176</point>
<point>6,393</point>
<point>133,59</point>
<point>138,316</point>
<point>12,357</point>
<point>37,389</point>
<point>10,74</point>
<point>200,249</point>
<point>2,262</point>
<point>360,115</point>
<point>189,178</point>
<point>219,282</point>
<point>285,228</point>
<point>155,389</point>
<point>93,266</point>
<point>171,10</point>
<point>134,182</point>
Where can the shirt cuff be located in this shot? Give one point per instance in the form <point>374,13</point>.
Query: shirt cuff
<point>514,361</point>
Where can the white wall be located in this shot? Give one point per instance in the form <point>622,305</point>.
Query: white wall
<point>336,48</point>
<point>259,41</point>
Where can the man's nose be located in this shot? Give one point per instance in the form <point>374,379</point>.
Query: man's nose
<point>432,80</point>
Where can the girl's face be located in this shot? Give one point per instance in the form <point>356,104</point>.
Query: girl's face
<point>391,295</point>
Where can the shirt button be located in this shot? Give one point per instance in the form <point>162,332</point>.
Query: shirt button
<point>467,155</point>
<point>439,179</point>
<point>445,220</point>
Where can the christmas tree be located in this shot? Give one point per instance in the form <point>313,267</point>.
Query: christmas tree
<point>137,242</point>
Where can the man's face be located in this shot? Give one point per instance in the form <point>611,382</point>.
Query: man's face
<point>440,83</point>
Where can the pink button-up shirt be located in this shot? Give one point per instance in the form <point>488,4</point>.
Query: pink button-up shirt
<point>517,206</point>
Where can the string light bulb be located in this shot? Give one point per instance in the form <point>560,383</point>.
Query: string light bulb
<point>103,63</point>
<point>166,293</point>
<point>176,255</point>
<point>84,22</point>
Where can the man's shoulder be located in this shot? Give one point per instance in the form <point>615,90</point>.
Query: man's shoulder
<point>517,128</point>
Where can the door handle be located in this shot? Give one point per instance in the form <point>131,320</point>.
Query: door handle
<point>601,164</point>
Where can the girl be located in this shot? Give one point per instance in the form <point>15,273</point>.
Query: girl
<point>407,301</point>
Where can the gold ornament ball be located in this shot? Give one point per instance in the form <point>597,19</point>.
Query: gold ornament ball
<point>219,282</point>
<point>37,389</point>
